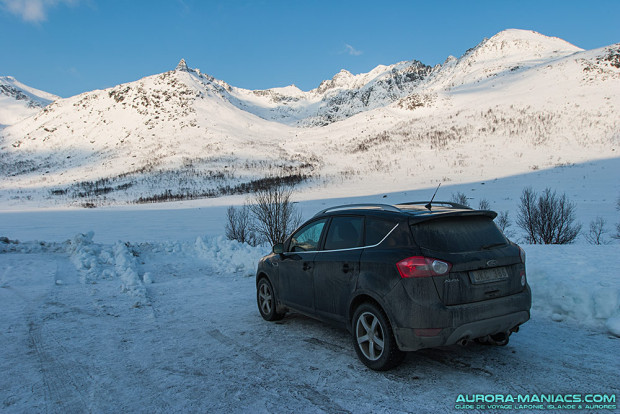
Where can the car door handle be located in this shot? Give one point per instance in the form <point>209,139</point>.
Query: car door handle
<point>306,266</point>
<point>346,268</point>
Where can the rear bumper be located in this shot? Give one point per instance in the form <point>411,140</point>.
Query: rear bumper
<point>468,321</point>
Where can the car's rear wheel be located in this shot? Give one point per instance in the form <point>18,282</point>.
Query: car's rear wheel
<point>266,301</point>
<point>373,338</point>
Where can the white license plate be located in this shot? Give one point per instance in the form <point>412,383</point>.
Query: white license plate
<point>489,275</point>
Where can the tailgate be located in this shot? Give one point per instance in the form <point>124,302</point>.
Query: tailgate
<point>494,275</point>
<point>485,265</point>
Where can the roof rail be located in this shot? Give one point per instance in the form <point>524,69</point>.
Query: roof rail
<point>385,207</point>
<point>445,203</point>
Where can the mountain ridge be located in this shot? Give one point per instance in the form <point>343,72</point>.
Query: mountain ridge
<point>19,101</point>
<point>185,134</point>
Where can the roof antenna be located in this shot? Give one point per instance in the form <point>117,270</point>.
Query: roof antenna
<point>428,206</point>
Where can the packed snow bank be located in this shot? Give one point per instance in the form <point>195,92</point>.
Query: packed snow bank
<point>229,256</point>
<point>126,268</point>
<point>573,283</point>
<point>613,325</point>
<point>221,256</point>
<point>576,282</point>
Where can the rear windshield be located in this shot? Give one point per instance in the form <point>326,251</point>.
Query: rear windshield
<point>458,234</point>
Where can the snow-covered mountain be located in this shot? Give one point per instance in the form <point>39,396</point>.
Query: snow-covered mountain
<point>19,101</point>
<point>516,102</point>
<point>335,99</point>
<point>508,51</point>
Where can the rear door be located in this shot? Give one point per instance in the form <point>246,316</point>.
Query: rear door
<point>337,266</point>
<point>485,265</point>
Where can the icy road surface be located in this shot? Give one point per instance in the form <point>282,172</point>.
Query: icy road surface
<point>159,328</point>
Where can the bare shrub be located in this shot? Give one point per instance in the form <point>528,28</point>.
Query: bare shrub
<point>526,218</point>
<point>460,198</point>
<point>597,230</point>
<point>274,214</point>
<point>548,218</point>
<point>239,225</point>
<point>503,222</point>
<point>484,204</point>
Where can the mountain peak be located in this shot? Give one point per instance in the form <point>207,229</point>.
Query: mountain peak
<point>523,42</point>
<point>19,101</point>
<point>182,66</point>
<point>523,34</point>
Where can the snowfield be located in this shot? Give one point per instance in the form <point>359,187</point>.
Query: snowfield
<point>172,326</point>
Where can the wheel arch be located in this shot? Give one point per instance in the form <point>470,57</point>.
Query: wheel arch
<point>263,275</point>
<point>260,275</point>
<point>365,297</point>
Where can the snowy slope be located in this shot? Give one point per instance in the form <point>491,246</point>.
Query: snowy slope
<point>19,101</point>
<point>517,102</point>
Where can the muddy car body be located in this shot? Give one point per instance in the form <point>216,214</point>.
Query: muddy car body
<point>400,277</point>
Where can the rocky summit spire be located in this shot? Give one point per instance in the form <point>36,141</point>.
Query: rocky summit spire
<point>182,66</point>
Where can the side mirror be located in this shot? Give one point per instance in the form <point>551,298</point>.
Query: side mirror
<point>278,248</point>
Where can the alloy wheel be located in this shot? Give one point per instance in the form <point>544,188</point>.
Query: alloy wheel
<point>370,336</point>
<point>265,299</point>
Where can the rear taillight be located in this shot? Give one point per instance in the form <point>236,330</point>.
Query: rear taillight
<point>419,266</point>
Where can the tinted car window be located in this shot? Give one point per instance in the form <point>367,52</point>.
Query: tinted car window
<point>376,230</point>
<point>344,233</point>
<point>458,234</point>
<point>307,238</point>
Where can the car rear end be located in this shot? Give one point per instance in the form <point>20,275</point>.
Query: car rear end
<point>461,280</point>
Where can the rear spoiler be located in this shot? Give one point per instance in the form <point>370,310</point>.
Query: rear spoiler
<point>436,215</point>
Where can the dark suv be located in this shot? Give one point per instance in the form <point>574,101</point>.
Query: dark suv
<point>400,277</point>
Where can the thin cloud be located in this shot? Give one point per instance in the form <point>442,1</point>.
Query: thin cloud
<point>185,8</point>
<point>352,51</point>
<point>33,11</point>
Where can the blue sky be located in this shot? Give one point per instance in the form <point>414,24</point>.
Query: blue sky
<point>71,46</point>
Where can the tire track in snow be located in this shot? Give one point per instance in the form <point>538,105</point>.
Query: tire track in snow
<point>128,268</point>
<point>76,383</point>
<point>62,391</point>
<point>452,361</point>
<point>293,386</point>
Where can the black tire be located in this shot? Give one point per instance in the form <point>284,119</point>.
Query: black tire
<point>373,338</point>
<point>266,301</point>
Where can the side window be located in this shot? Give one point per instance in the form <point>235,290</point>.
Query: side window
<point>307,238</point>
<point>376,230</point>
<point>344,233</point>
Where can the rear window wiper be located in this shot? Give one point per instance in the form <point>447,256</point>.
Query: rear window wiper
<point>492,245</point>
